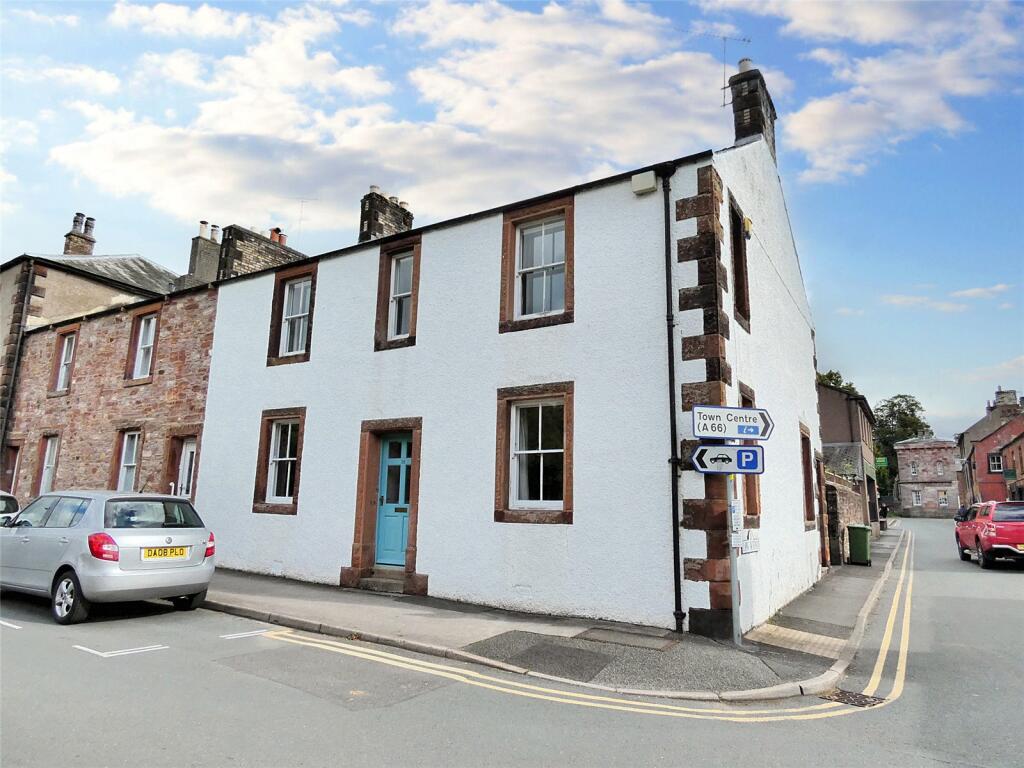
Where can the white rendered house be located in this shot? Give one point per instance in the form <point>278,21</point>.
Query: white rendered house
<point>482,409</point>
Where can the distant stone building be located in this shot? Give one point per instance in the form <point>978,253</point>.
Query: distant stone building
<point>984,466</point>
<point>998,411</point>
<point>217,255</point>
<point>848,446</point>
<point>1013,468</point>
<point>927,485</point>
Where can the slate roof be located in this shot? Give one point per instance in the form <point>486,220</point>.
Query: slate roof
<point>844,458</point>
<point>129,269</point>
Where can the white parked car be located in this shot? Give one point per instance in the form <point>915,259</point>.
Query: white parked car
<point>82,547</point>
<point>8,506</point>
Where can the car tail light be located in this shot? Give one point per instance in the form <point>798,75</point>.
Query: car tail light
<point>210,546</point>
<point>103,547</point>
<point>989,529</point>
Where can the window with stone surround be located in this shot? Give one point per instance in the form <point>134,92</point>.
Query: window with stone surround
<point>808,475</point>
<point>398,280</point>
<point>751,483</point>
<point>913,469</point>
<point>280,461</point>
<point>916,498</point>
<point>64,359</point>
<point>943,498</point>
<point>995,462</point>
<point>129,450</point>
<point>291,315</point>
<point>533,463</point>
<point>143,342</point>
<point>49,450</point>
<point>537,264</point>
<point>741,285</point>
<point>940,468</point>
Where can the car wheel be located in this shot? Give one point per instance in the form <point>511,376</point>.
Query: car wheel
<point>964,554</point>
<point>985,561</point>
<point>189,602</point>
<point>68,604</point>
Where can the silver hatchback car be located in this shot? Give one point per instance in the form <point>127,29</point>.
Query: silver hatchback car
<point>82,547</point>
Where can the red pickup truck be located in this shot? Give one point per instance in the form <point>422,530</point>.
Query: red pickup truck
<point>993,529</point>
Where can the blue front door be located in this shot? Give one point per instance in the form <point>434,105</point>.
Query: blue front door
<point>393,498</point>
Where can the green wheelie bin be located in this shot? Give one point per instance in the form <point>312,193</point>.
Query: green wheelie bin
<point>860,544</point>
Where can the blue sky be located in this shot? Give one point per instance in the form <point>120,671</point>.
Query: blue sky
<point>899,135</point>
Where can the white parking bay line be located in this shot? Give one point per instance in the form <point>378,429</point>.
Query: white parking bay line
<point>243,634</point>
<point>8,624</point>
<point>125,652</point>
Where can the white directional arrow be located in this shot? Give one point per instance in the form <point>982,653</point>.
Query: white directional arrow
<point>731,423</point>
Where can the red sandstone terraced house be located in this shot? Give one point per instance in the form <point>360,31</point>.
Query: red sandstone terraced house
<point>115,397</point>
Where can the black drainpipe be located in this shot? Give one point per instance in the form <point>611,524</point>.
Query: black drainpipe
<point>665,172</point>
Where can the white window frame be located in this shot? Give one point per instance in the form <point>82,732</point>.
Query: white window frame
<point>144,347</point>
<point>51,450</point>
<point>913,469</point>
<point>274,461</point>
<point>396,295</point>
<point>514,501</point>
<point>993,460</point>
<point>129,462</point>
<point>67,355</point>
<point>520,229</point>
<point>943,498</point>
<point>916,498</point>
<point>286,324</point>
<point>940,468</point>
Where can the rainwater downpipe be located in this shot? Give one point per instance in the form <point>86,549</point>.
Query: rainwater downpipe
<point>665,172</point>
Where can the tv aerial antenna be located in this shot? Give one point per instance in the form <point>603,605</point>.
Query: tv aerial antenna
<point>302,209</point>
<point>726,39</point>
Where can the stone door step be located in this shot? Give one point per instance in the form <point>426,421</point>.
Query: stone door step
<point>382,584</point>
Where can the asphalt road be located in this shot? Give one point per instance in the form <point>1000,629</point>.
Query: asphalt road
<point>204,691</point>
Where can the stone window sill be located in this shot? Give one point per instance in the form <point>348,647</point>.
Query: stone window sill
<point>266,508</point>
<point>139,382</point>
<point>535,516</point>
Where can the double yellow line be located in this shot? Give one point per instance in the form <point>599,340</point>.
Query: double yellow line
<point>733,714</point>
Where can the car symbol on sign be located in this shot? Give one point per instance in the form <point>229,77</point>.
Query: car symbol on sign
<point>721,458</point>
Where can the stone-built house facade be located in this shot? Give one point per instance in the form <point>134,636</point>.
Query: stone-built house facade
<point>985,463</point>
<point>927,484</point>
<point>844,500</point>
<point>115,399</point>
<point>1013,468</point>
<point>848,444</point>
<point>38,290</point>
<point>489,409</point>
<point>109,357</point>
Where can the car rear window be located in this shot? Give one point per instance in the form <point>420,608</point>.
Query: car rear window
<point>1008,513</point>
<point>150,513</point>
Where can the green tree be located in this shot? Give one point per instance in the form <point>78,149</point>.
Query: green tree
<point>835,379</point>
<point>900,417</point>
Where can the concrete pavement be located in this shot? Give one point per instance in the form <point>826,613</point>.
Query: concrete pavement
<point>214,694</point>
<point>800,644</point>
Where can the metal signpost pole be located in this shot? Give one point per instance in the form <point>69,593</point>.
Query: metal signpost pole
<point>734,577</point>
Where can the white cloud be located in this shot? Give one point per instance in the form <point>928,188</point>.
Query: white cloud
<point>999,372</point>
<point>868,23</point>
<point>13,133</point>
<point>1006,305</point>
<point>714,29</point>
<point>982,293</point>
<point>904,300</point>
<point>937,54</point>
<point>48,19</point>
<point>171,20</point>
<point>849,311</point>
<point>525,101</point>
<point>80,77</point>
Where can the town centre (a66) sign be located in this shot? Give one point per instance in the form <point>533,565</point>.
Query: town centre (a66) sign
<point>731,423</point>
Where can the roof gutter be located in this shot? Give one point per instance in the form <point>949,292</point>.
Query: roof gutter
<point>665,173</point>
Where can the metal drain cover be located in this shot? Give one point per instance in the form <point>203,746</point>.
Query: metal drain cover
<point>853,699</point>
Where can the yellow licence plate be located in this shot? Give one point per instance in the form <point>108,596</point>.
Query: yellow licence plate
<point>164,553</point>
<point>1020,547</point>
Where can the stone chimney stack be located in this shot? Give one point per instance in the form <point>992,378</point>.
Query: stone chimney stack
<point>79,241</point>
<point>380,216</point>
<point>204,260</point>
<point>752,108</point>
